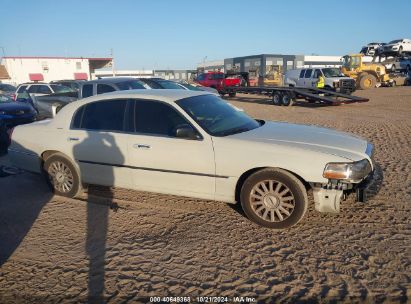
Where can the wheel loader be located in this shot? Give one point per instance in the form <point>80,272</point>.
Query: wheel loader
<point>366,74</point>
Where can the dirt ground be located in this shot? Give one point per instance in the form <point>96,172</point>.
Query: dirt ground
<point>124,245</point>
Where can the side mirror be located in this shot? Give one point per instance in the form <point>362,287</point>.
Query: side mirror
<point>185,131</point>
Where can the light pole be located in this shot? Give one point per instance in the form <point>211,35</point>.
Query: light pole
<point>204,61</point>
<point>112,62</point>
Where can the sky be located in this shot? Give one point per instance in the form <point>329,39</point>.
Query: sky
<point>161,34</point>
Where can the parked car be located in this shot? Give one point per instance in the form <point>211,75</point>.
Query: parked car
<point>398,64</point>
<point>373,49</point>
<point>7,89</point>
<point>194,144</point>
<point>14,113</point>
<point>40,88</point>
<point>160,83</point>
<point>218,81</point>
<point>73,84</point>
<point>47,106</point>
<point>308,77</point>
<point>398,47</point>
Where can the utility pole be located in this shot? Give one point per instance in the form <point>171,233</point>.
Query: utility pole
<point>112,62</point>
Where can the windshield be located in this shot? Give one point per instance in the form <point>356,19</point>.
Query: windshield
<point>5,98</point>
<point>332,72</point>
<point>170,85</point>
<point>130,85</point>
<point>395,41</point>
<point>58,88</point>
<point>216,116</point>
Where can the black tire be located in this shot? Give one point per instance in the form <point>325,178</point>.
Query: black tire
<point>62,176</point>
<point>367,81</point>
<point>393,84</point>
<point>232,94</point>
<point>286,100</point>
<point>408,69</point>
<point>393,68</point>
<point>296,207</point>
<point>276,99</point>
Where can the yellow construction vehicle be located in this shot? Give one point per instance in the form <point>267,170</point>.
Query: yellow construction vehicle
<point>366,74</point>
<point>273,75</point>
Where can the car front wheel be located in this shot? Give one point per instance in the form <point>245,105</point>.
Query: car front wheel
<point>274,198</point>
<point>62,176</point>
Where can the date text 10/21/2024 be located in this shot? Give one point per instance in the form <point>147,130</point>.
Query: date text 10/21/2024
<point>200,299</point>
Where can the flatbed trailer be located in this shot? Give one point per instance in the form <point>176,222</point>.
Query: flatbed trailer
<point>287,95</point>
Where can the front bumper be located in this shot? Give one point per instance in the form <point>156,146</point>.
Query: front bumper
<point>329,198</point>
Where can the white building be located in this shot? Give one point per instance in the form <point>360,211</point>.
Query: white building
<point>26,69</point>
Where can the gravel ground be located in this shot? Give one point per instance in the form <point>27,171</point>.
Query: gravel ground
<point>123,244</point>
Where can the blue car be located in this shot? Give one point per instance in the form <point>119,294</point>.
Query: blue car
<point>15,113</point>
<point>12,114</point>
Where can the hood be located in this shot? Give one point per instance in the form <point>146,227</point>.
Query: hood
<point>308,137</point>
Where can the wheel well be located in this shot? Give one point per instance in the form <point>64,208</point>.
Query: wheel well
<point>46,154</point>
<point>246,174</point>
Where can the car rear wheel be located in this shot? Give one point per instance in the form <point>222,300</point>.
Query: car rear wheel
<point>274,198</point>
<point>62,176</point>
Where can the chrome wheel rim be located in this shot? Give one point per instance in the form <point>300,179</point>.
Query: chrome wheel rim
<point>272,201</point>
<point>60,176</point>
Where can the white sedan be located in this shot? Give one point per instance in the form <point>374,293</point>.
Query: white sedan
<point>194,144</point>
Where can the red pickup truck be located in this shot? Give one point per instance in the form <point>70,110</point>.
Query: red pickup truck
<point>218,81</point>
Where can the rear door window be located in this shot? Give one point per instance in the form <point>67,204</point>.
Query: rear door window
<point>107,115</point>
<point>308,73</point>
<point>22,89</point>
<point>87,90</point>
<point>43,89</point>
<point>33,89</point>
<point>104,88</point>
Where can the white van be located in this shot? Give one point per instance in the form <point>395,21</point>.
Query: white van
<point>308,77</point>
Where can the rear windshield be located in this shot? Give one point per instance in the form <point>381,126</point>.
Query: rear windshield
<point>57,88</point>
<point>130,85</point>
<point>170,85</point>
<point>7,87</point>
<point>217,76</point>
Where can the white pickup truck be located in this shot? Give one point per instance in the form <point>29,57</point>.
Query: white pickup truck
<point>308,78</point>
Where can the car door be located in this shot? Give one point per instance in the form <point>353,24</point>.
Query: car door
<point>314,79</point>
<point>162,162</point>
<point>98,142</point>
<point>300,80</point>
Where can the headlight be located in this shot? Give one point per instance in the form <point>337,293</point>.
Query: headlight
<point>352,172</point>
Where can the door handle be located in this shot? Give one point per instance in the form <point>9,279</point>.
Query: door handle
<point>141,146</point>
<point>73,139</point>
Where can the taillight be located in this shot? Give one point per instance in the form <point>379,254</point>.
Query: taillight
<point>14,96</point>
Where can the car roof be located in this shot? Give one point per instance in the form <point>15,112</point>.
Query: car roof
<point>63,119</point>
<point>109,80</point>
